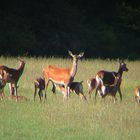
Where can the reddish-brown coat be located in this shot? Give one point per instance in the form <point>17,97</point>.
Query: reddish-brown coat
<point>15,75</point>
<point>57,74</point>
<point>62,76</point>
<point>137,94</point>
<point>107,78</point>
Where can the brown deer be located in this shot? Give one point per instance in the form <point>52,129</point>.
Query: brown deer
<point>15,76</point>
<point>62,76</point>
<point>4,77</point>
<point>39,83</point>
<point>110,89</point>
<point>137,94</point>
<point>75,87</point>
<point>91,85</point>
<point>107,77</point>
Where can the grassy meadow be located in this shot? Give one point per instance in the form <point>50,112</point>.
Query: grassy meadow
<point>73,119</point>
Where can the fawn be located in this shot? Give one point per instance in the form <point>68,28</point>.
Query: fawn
<point>39,83</point>
<point>110,89</point>
<point>76,87</point>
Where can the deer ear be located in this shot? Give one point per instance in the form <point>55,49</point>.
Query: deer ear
<point>81,54</point>
<point>70,53</point>
<point>3,73</point>
<point>20,59</point>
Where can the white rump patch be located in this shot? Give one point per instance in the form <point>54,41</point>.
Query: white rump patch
<point>98,79</point>
<point>89,82</point>
<point>103,89</point>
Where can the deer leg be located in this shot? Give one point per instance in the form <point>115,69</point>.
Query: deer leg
<point>83,96</point>
<point>46,85</point>
<point>11,89</point>
<point>2,94</point>
<point>68,92</point>
<point>119,90</point>
<point>53,88</point>
<point>97,88</point>
<point>35,92</point>
<point>115,99</point>
<point>40,93</point>
<point>65,95</point>
<point>81,93</point>
<point>90,92</point>
<point>16,93</point>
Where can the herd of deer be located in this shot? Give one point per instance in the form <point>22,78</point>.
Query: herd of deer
<point>62,79</point>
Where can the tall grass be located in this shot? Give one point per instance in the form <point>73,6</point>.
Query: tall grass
<point>73,119</point>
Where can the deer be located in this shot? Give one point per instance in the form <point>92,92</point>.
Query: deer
<point>75,87</point>
<point>39,84</point>
<point>91,85</point>
<point>4,77</point>
<point>15,76</point>
<point>107,77</point>
<point>137,94</point>
<point>111,90</point>
<point>62,76</point>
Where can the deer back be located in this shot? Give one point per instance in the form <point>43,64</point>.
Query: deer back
<point>57,74</point>
<point>40,83</point>
<point>107,77</point>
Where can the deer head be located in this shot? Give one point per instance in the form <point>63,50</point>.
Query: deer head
<point>75,62</point>
<point>5,76</point>
<point>76,57</point>
<point>122,66</point>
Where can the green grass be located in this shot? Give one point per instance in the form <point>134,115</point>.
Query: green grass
<point>73,119</point>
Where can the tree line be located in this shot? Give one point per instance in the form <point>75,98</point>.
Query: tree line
<point>100,28</point>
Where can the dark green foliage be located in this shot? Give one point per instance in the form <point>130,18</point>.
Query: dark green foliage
<point>51,27</point>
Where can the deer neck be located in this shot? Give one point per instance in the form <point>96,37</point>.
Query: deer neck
<point>120,72</point>
<point>73,69</point>
<point>118,82</point>
<point>21,68</point>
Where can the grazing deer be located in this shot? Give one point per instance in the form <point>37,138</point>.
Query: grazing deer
<point>76,87</point>
<point>39,83</point>
<point>62,76</point>
<point>3,79</point>
<point>108,78</point>
<point>110,89</point>
<point>15,75</point>
<point>137,94</point>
